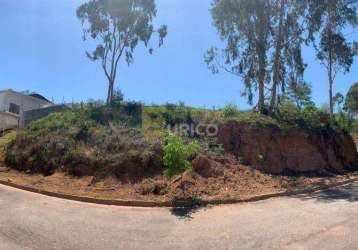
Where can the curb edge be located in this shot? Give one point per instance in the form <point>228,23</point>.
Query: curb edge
<point>173,204</point>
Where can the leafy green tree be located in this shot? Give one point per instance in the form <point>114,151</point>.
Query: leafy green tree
<point>330,18</point>
<point>300,94</point>
<point>245,26</point>
<point>263,44</point>
<point>118,97</point>
<point>344,120</point>
<point>344,117</point>
<point>287,62</point>
<point>351,103</point>
<point>338,99</point>
<point>118,26</point>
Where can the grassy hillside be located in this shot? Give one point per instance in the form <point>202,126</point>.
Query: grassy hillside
<point>7,138</point>
<point>95,141</point>
<point>75,143</point>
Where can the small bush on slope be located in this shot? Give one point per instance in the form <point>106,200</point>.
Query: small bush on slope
<point>177,114</point>
<point>176,155</point>
<point>309,118</point>
<point>230,110</point>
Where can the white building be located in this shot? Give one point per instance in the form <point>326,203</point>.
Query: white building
<point>13,105</point>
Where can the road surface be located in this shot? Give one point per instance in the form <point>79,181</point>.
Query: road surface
<point>325,220</point>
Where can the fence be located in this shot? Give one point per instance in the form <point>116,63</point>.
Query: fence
<point>35,114</point>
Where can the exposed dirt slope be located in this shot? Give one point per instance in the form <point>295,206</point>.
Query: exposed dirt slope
<point>277,150</point>
<point>212,177</point>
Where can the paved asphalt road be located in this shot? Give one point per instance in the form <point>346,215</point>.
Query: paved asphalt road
<point>325,220</point>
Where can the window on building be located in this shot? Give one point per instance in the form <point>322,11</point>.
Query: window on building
<point>14,108</point>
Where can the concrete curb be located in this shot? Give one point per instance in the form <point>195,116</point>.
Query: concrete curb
<point>134,203</point>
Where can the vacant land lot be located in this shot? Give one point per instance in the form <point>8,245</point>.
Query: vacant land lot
<point>84,152</point>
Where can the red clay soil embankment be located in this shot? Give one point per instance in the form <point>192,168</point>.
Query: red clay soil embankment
<point>275,150</point>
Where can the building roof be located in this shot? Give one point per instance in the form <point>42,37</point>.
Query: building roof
<point>38,96</point>
<point>32,95</point>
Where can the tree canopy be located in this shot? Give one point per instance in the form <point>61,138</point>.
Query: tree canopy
<point>263,45</point>
<point>264,38</point>
<point>118,26</point>
<point>327,21</point>
<point>351,103</point>
<point>300,94</point>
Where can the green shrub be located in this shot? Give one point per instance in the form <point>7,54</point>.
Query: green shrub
<point>230,111</point>
<point>176,155</point>
<point>205,116</point>
<point>118,98</point>
<point>346,122</point>
<point>287,112</point>
<point>355,126</point>
<point>177,114</point>
<point>308,117</point>
<point>6,138</point>
<point>129,113</point>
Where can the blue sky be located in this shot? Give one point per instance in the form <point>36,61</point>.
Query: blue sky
<point>42,50</point>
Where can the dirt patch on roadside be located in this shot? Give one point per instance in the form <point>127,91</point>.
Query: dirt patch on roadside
<point>226,178</point>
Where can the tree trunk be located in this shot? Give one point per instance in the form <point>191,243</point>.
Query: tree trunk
<point>330,77</point>
<point>273,95</point>
<point>110,93</point>
<point>262,74</point>
<point>112,90</point>
<point>261,47</point>
<point>261,51</point>
<point>261,102</point>
<point>278,47</point>
<point>330,67</point>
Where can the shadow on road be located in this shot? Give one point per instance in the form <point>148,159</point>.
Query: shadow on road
<point>345,193</point>
<point>185,213</point>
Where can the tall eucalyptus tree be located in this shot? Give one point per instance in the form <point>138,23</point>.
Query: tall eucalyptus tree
<point>263,45</point>
<point>118,26</point>
<point>328,20</point>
